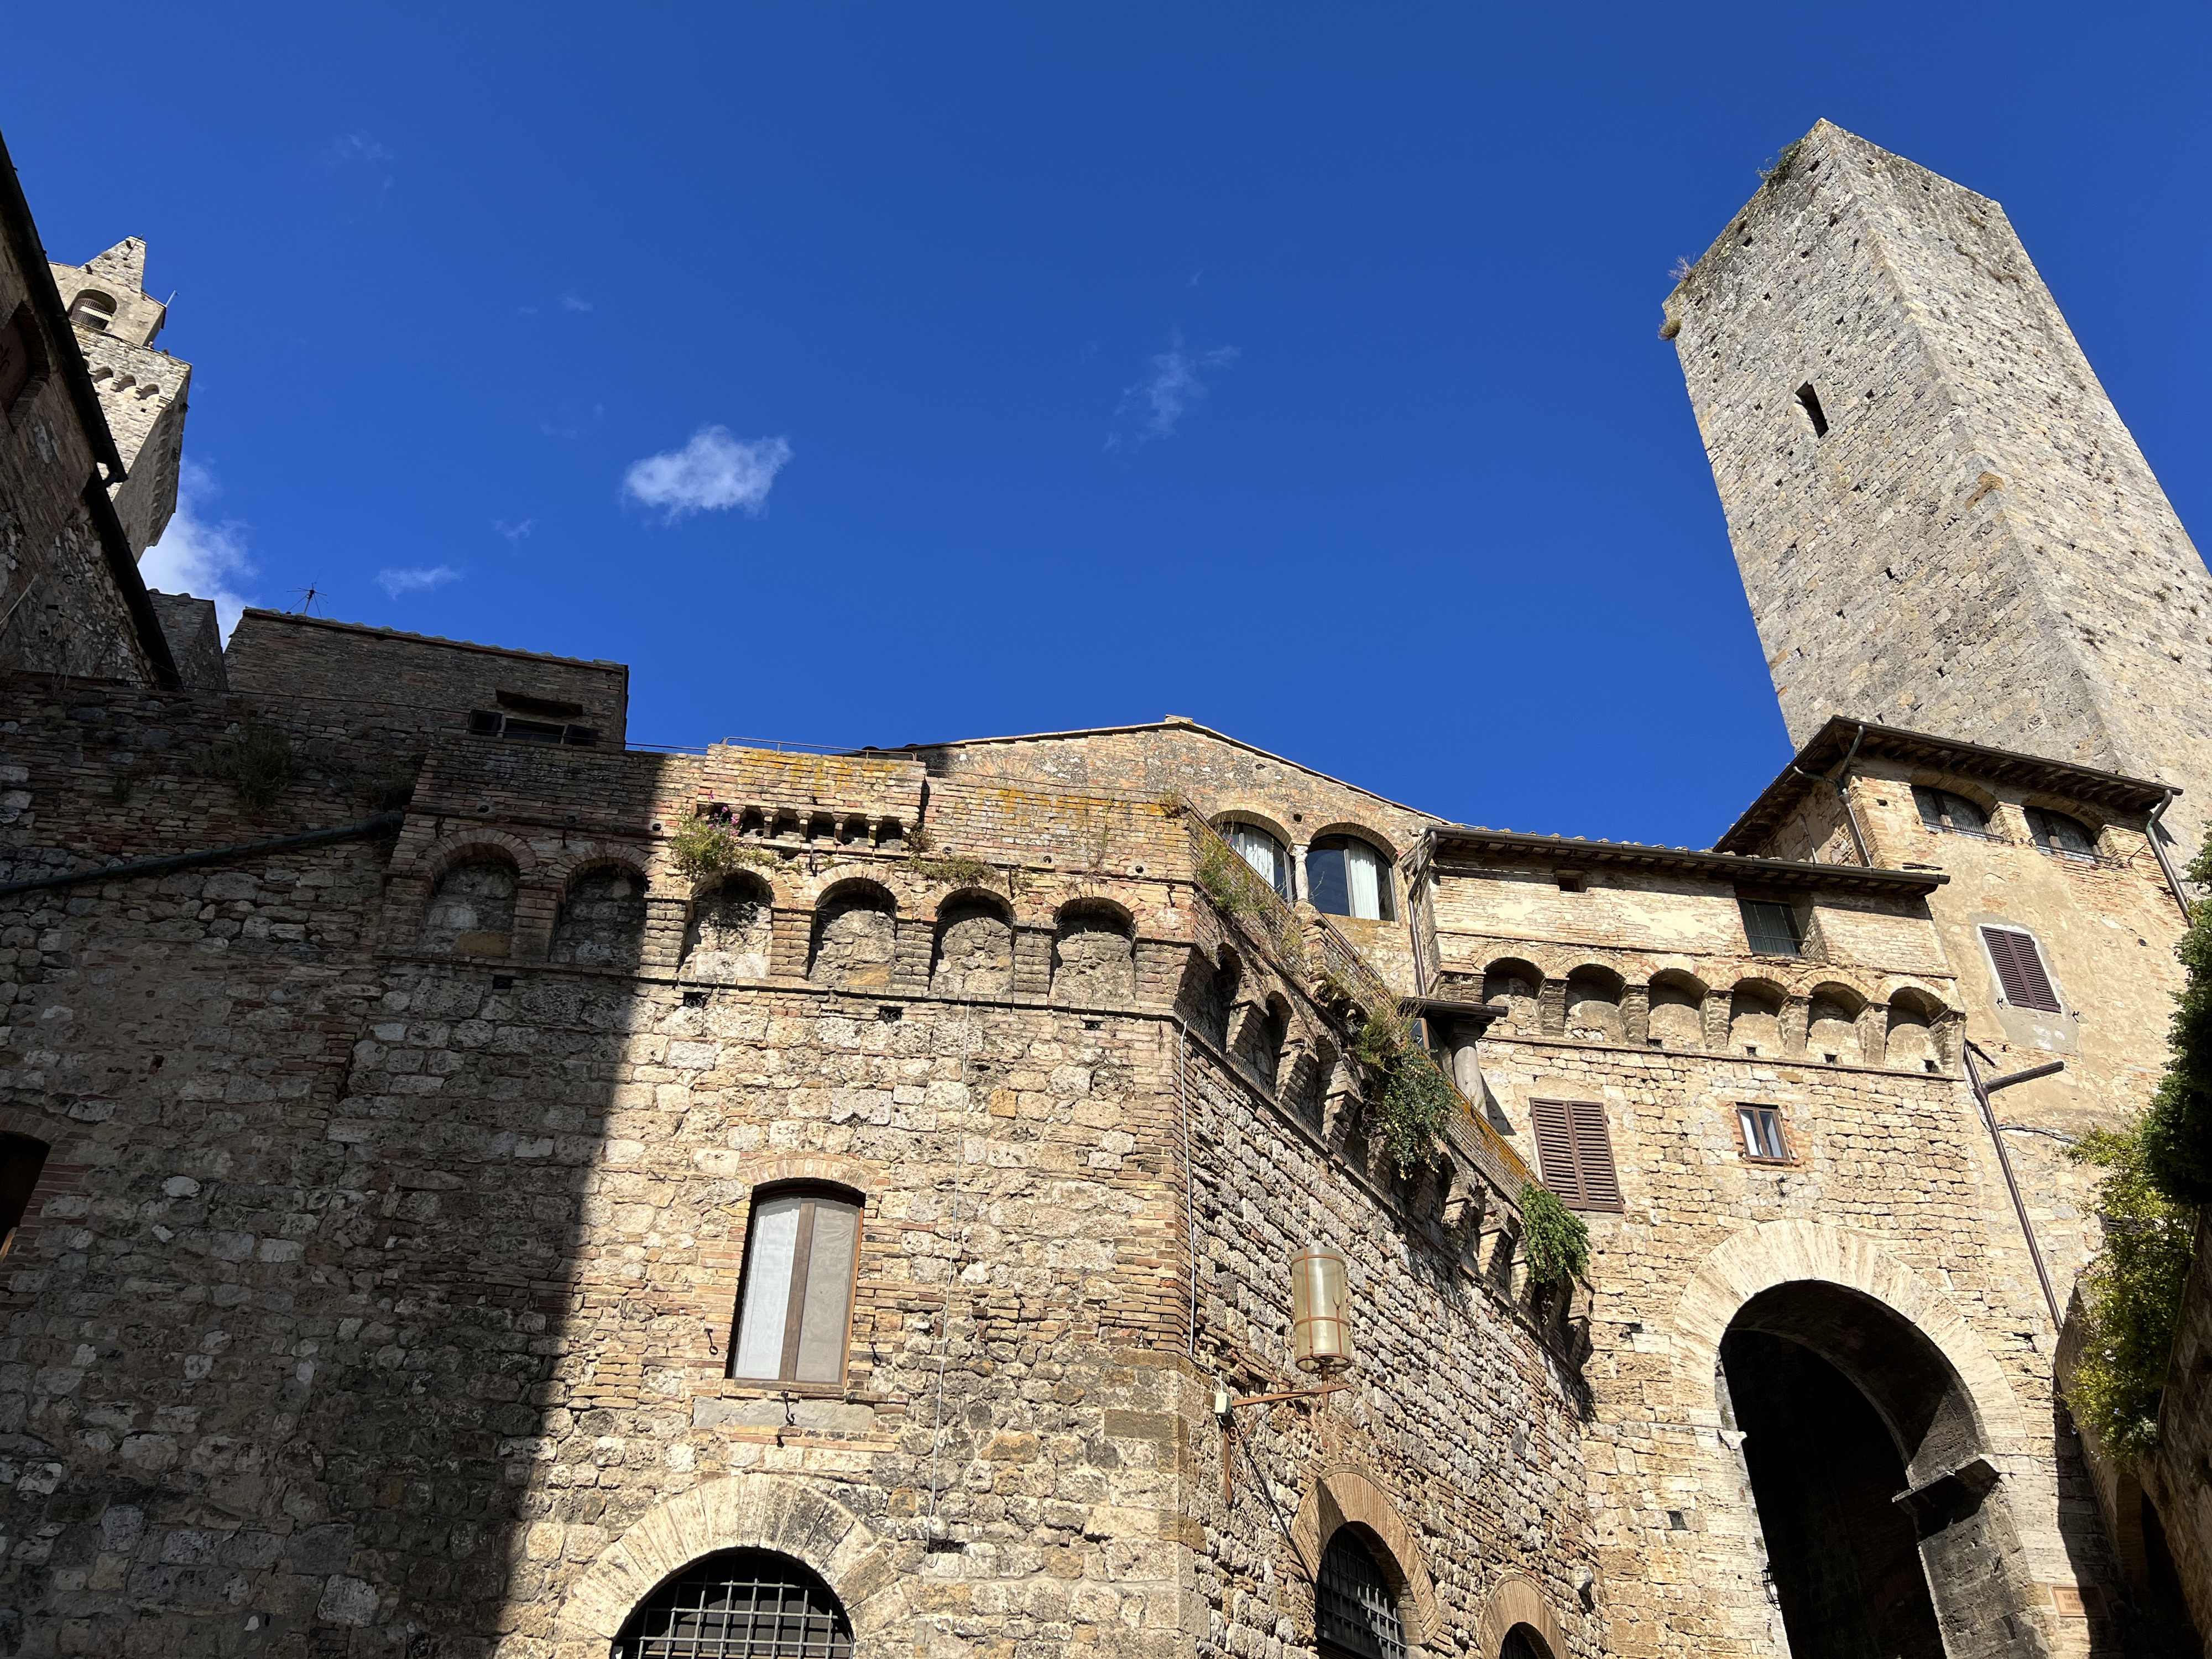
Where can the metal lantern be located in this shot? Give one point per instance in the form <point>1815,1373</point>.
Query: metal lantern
<point>1320,1310</point>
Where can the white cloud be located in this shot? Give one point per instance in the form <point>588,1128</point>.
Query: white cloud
<point>514,532</point>
<point>418,579</point>
<point>713,471</point>
<point>200,556</point>
<point>355,149</point>
<point>1155,406</point>
<point>572,300</point>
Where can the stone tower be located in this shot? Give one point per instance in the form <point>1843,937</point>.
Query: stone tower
<point>1940,521</point>
<point>142,390</point>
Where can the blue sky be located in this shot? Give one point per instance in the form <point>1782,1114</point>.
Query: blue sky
<point>1031,366</point>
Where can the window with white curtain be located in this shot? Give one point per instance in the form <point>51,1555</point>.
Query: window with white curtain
<point>795,1307</point>
<point>1348,877</point>
<point>1263,852</point>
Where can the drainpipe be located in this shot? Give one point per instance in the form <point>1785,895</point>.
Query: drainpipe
<point>1982,1093</point>
<point>2165,864</point>
<point>1842,781</point>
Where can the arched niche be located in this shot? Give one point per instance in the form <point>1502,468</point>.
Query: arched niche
<point>1755,1018</point>
<point>471,911</point>
<point>974,955</point>
<point>602,920</point>
<point>1832,1029</point>
<point>1910,1041</point>
<point>1520,986</point>
<point>1093,954</point>
<point>727,936</point>
<point>1593,1006</point>
<point>855,938</point>
<point>1677,1018</point>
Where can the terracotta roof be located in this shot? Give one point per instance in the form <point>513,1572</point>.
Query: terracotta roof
<point>1827,747</point>
<point>1572,852</point>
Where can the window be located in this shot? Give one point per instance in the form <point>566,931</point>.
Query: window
<point>23,365</point>
<point>1355,1614</point>
<point>2020,974</point>
<point>1771,929</point>
<point>1348,877</point>
<point>92,311</point>
<point>490,723</point>
<point>1576,1153</point>
<point>1761,1128</point>
<point>1263,852</point>
<point>2055,832</point>
<point>1809,401</point>
<point>20,1160</point>
<point>738,1604</point>
<point>1939,810</point>
<point>795,1309</point>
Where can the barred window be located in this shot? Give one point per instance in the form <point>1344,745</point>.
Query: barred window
<point>1772,929</point>
<point>795,1301</point>
<point>1355,1614</point>
<point>738,1604</point>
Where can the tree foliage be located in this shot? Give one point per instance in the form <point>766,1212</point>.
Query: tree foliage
<point>1558,1239</point>
<point>2177,1131</point>
<point>2131,1294</point>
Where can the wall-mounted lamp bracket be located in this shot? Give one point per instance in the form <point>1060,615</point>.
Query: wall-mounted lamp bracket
<point>1224,1406</point>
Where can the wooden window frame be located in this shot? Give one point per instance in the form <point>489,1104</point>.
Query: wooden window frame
<point>786,1380</point>
<point>2035,963</point>
<point>1788,1158</point>
<point>1593,1181</point>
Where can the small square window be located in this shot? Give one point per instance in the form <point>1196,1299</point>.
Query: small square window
<point>1573,881</point>
<point>1761,1129</point>
<point>1772,929</point>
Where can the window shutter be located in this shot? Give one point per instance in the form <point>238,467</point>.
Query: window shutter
<point>1576,1153</point>
<point>1593,1156</point>
<point>2019,969</point>
<point>1555,1147</point>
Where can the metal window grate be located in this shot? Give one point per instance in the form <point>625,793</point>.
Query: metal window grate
<point>1355,1614</point>
<point>740,1604</point>
<point>1772,929</point>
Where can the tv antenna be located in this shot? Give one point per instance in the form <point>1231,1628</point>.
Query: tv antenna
<point>307,600</point>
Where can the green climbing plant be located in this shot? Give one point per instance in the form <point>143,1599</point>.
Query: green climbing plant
<point>2131,1294</point>
<point>2177,1130</point>
<point>1556,1239</point>
<point>707,845</point>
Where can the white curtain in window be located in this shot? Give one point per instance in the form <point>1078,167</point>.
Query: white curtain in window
<point>821,1334</point>
<point>1262,852</point>
<point>768,1289</point>
<point>1362,879</point>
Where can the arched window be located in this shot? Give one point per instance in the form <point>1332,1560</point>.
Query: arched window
<point>92,311</point>
<point>2055,832</point>
<point>795,1300</point>
<point>1263,852</point>
<point>739,1604</point>
<point>1348,877</point>
<point>1355,1612</point>
<point>1942,809</point>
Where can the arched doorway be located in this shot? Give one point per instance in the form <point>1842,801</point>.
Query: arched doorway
<point>738,1604</point>
<point>1883,1525</point>
<point>1522,1643</point>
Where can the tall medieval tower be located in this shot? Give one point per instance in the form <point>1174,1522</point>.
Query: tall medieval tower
<point>1940,521</point>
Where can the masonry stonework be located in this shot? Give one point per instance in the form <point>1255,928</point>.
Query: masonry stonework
<point>396,1105</point>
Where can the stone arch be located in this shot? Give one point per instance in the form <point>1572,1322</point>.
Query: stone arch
<point>1346,1496</point>
<point>1516,1602</point>
<point>1755,1016</point>
<point>1832,1022</point>
<point>1912,1037</point>
<point>855,936</point>
<point>1677,1009</point>
<point>463,844</point>
<point>727,935</point>
<point>1366,832</point>
<point>974,952</point>
<point>757,1510</point>
<point>1258,818</point>
<point>1593,1005</point>
<point>1519,984</point>
<point>472,904</point>
<point>1769,1254</point>
<point>1093,953</point>
<point>601,923</point>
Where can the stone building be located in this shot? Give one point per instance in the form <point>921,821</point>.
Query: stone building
<point>473,1187</point>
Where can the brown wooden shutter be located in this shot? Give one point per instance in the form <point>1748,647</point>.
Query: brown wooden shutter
<point>2019,969</point>
<point>1576,1153</point>
<point>1593,1156</point>
<point>1555,1147</point>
